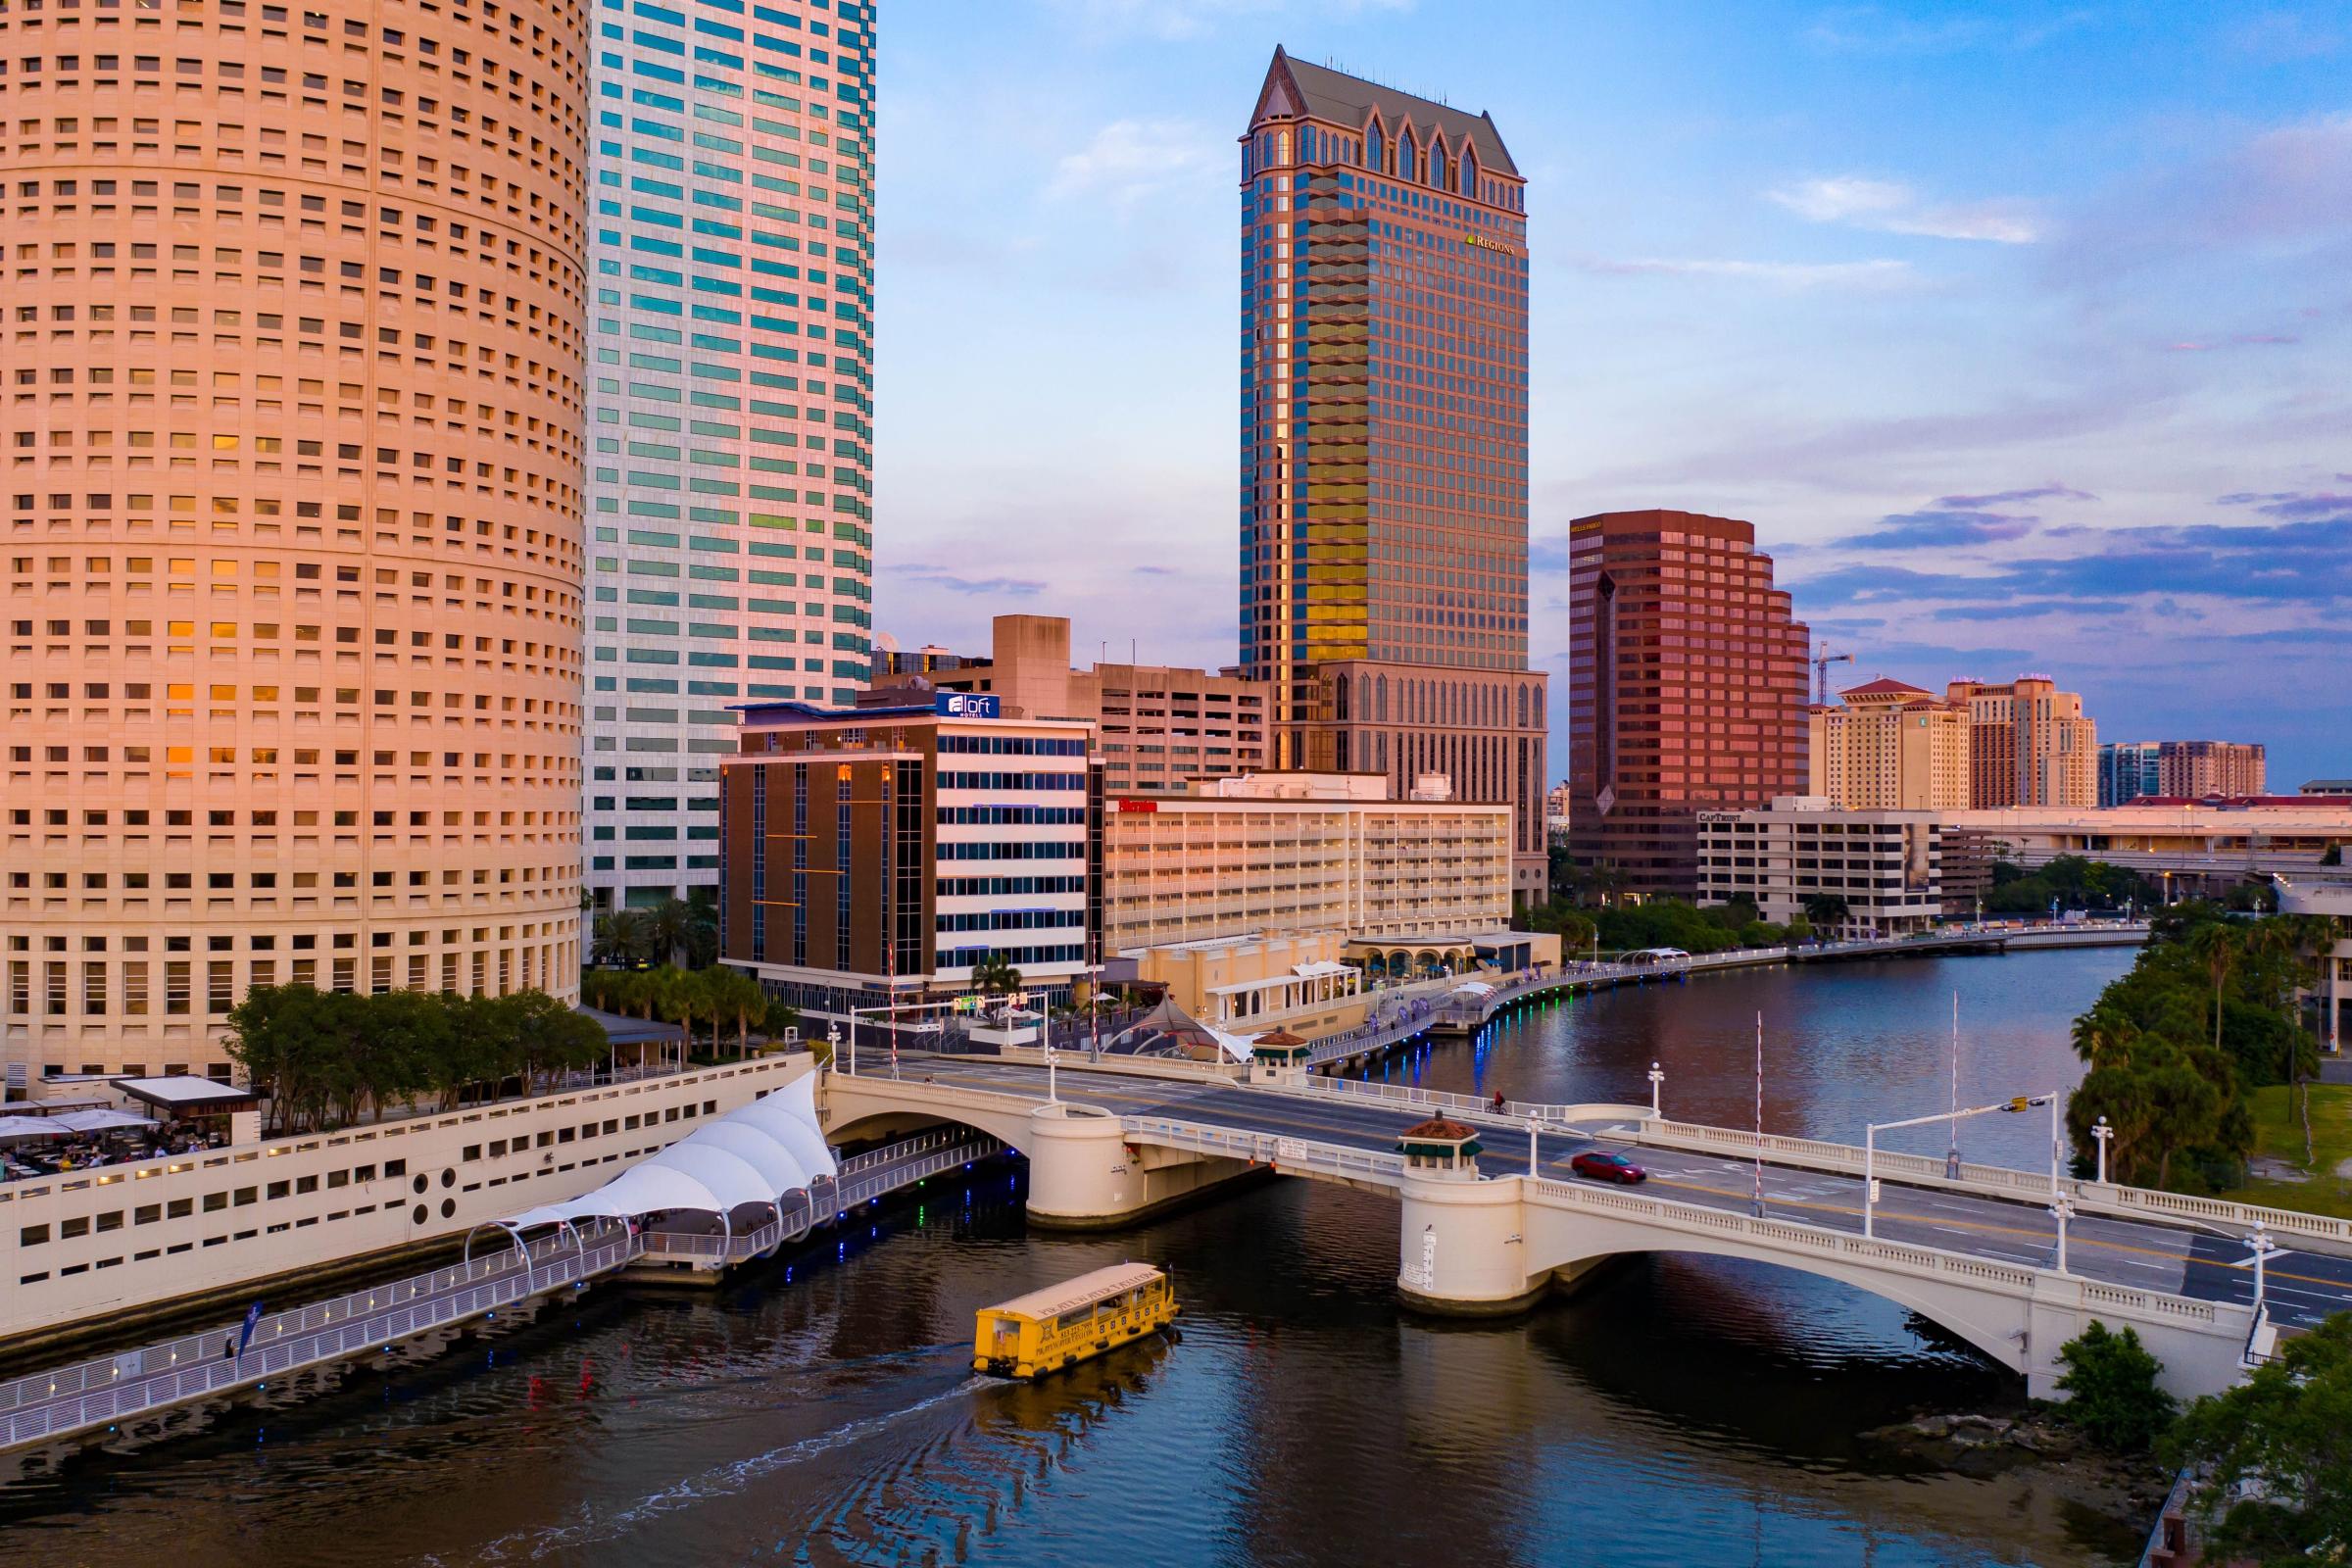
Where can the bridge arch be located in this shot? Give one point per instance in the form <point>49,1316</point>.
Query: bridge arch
<point>859,1108</point>
<point>1992,1319</point>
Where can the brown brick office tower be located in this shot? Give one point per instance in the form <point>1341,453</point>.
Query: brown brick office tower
<point>1687,689</point>
<point>1384,443</point>
<point>293,372</point>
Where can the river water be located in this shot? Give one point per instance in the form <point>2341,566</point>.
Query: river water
<point>1674,1411</point>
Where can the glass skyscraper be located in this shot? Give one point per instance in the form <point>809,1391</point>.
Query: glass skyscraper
<point>730,429</point>
<point>1384,371</point>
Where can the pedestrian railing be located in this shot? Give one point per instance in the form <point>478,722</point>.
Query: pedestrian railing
<point>1999,1181</point>
<point>158,1378</point>
<point>130,1385</point>
<point>863,1178</point>
<point>1515,1113</point>
<point>1290,1153</point>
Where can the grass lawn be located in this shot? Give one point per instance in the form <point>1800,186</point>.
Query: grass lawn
<point>2325,1184</point>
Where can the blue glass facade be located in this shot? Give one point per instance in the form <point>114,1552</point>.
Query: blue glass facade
<point>729,430</point>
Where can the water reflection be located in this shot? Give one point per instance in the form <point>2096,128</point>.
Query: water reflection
<point>1675,1410</point>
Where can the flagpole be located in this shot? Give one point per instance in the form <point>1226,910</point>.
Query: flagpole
<point>1759,1196</point>
<point>1951,1158</point>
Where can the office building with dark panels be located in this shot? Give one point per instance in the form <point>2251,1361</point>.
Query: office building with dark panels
<point>1383,485</point>
<point>875,854</point>
<point>1687,689</point>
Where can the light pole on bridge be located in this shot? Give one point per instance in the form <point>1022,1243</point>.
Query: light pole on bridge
<point>1657,1081</point>
<point>1534,1127</point>
<point>2102,1132</point>
<point>1870,1146</point>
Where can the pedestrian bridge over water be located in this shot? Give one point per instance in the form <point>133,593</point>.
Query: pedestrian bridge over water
<point>1977,1254</point>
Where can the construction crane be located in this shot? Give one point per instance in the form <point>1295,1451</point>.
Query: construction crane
<point>1821,672</point>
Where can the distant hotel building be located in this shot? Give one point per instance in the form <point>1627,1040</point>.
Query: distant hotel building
<point>1384,579</point>
<point>878,853</point>
<point>1160,726</point>
<point>2199,770</point>
<point>1687,689</point>
<point>294,630</point>
<point>1886,746</point>
<point>730,470</point>
<point>1300,853</point>
<point>2029,743</point>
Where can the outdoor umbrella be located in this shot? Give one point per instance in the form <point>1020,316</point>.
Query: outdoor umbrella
<point>100,1121</point>
<point>14,1129</point>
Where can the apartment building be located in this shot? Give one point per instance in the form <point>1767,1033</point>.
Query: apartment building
<point>2029,743</point>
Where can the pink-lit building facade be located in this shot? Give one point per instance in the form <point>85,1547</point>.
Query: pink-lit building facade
<point>293,634</point>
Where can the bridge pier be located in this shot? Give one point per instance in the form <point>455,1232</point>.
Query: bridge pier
<point>1084,1174</point>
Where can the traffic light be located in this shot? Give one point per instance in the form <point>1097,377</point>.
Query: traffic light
<point>2019,1103</point>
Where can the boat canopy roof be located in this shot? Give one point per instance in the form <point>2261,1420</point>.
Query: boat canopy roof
<point>1072,1295</point>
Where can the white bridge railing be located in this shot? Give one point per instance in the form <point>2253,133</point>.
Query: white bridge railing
<point>1292,1153</point>
<point>1998,1181</point>
<point>1516,1113</point>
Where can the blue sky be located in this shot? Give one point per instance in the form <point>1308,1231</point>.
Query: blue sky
<point>2019,331</point>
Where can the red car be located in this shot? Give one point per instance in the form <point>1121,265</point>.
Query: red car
<point>1602,1166</point>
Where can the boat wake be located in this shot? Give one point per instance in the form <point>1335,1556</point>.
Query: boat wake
<point>717,1481</point>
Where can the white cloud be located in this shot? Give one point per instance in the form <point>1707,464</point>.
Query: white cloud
<point>1791,275</point>
<point>1891,208</point>
<point>1129,160</point>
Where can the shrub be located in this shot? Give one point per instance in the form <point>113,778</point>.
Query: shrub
<point>2111,1381</point>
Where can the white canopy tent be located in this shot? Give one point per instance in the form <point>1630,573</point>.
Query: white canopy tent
<point>774,1162</point>
<point>755,1155</point>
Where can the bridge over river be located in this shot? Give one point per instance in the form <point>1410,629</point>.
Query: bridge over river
<point>1977,1255</point>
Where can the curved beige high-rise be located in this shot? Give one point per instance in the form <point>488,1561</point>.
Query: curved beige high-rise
<point>292,305</point>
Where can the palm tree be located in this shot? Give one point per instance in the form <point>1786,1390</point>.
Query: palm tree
<point>702,927</point>
<point>665,928</point>
<point>1824,911</point>
<point>736,994</point>
<point>994,976</point>
<point>2216,947</point>
<point>621,936</point>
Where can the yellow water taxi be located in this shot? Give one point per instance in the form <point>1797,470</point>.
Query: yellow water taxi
<point>1065,1324</point>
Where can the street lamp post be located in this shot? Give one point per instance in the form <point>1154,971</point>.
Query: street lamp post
<point>2102,1132</point>
<point>1051,1095</point>
<point>833,1039</point>
<point>1535,1126</point>
<point>1870,1146</point>
<point>1657,1082</point>
<point>2062,1211</point>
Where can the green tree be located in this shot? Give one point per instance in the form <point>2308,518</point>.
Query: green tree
<point>2111,1383</point>
<point>666,929</point>
<point>700,943</point>
<point>2288,1430</point>
<point>548,1038</point>
<point>1825,910</point>
<point>995,976</point>
<point>2216,947</point>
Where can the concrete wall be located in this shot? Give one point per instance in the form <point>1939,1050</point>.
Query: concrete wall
<point>191,1226</point>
